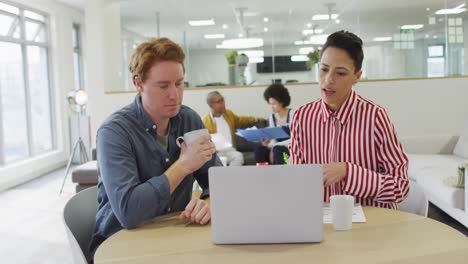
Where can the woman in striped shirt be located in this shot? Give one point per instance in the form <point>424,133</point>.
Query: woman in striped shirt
<point>352,137</point>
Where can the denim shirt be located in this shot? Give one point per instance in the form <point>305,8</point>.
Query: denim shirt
<point>131,164</point>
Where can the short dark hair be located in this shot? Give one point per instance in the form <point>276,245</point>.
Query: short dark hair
<point>278,92</point>
<point>348,42</point>
<point>209,96</point>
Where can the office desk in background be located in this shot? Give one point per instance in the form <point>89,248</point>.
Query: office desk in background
<point>388,237</point>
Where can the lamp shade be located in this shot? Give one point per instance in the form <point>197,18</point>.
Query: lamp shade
<point>81,97</point>
<point>78,97</point>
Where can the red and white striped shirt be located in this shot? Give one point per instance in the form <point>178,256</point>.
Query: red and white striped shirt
<point>360,134</point>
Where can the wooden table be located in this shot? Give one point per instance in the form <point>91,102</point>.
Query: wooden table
<point>388,237</point>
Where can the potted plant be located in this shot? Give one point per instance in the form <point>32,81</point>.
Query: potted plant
<point>231,59</point>
<point>314,58</point>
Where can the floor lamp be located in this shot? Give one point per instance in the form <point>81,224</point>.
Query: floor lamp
<point>77,101</point>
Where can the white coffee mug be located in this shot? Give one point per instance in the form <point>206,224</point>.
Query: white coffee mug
<point>191,136</point>
<point>342,207</point>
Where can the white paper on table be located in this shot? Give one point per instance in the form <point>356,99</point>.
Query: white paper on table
<point>358,214</point>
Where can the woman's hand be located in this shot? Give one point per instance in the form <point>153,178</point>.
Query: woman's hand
<point>265,142</point>
<point>333,173</point>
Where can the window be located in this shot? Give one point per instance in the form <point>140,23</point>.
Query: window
<point>455,30</point>
<point>77,57</point>
<point>26,119</point>
<point>435,61</point>
<point>404,40</point>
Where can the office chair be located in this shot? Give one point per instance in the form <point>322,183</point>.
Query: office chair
<point>79,215</point>
<point>416,202</point>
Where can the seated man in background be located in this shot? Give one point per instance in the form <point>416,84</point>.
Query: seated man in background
<point>142,171</point>
<point>223,122</point>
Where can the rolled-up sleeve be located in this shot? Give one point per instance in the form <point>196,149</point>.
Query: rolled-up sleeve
<point>132,200</point>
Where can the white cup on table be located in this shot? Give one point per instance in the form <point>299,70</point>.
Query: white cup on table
<point>342,207</point>
<point>191,136</point>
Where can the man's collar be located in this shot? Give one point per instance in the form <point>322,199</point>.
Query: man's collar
<point>213,117</point>
<point>146,121</point>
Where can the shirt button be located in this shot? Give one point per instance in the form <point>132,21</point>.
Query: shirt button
<point>167,159</point>
<point>168,209</point>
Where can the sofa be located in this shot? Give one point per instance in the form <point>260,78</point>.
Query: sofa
<point>432,159</point>
<point>85,175</point>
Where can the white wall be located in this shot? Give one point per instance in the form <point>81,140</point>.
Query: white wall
<point>61,17</point>
<point>416,107</point>
<point>104,69</point>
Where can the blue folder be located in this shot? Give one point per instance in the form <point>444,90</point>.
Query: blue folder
<point>255,135</point>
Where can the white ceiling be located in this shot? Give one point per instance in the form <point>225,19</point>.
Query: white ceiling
<point>287,19</point>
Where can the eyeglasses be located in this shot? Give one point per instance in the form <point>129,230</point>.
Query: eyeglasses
<point>218,101</point>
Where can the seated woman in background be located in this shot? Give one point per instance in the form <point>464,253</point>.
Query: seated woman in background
<point>272,151</point>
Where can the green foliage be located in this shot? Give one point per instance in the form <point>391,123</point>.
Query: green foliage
<point>286,158</point>
<point>231,57</point>
<point>314,58</point>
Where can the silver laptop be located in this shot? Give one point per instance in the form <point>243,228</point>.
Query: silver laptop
<point>266,204</point>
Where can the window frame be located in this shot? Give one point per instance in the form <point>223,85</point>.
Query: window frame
<point>24,44</point>
<point>78,49</point>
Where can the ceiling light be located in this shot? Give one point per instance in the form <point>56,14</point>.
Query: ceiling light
<point>256,60</point>
<point>253,53</point>
<point>324,16</point>
<point>318,39</point>
<point>241,43</point>
<point>214,36</point>
<point>225,26</point>
<point>337,21</point>
<point>306,50</point>
<point>299,58</point>
<point>450,11</point>
<point>265,29</point>
<point>382,39</point>
<point>240,35</point>
<point>302,42</point>
<point>428,9</point>
<point>309,25</point>
<point>417,26</point>
<point>250,14</point>
<point>306,32</point>
<point>265,19</point>
<point>197,23</point>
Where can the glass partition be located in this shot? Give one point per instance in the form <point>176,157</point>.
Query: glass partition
<point>402,39</point>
